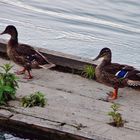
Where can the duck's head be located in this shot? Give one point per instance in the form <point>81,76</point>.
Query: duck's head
<point>104,54</point>
<point>11,30</point>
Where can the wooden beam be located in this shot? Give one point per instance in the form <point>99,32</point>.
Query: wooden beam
<point>63,61</point>
<point>37,132</point>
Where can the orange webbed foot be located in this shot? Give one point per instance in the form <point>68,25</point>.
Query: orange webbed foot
<point>21,72</point>
<point>113,95</point>
<point>28,77</point>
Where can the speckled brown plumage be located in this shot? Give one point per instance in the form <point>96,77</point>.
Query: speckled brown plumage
<point>107,73</point>
<point>22,54</point>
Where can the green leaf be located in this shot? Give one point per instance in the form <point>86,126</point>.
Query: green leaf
<point>8,83</point>
<point>116,116</point>
<point>8,89</point>
<point>111,113</point>
<point>6,67</point>
<point>1,95</point>
<point>2,102</point>
<point>36,99</point>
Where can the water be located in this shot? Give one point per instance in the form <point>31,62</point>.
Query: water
<point>7,136</point>
<point>79,27</point>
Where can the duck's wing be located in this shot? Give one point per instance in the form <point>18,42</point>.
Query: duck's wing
<point>134,78</point>
<point>113,68</point>
<point>132,74</point>
<point>30,54</point>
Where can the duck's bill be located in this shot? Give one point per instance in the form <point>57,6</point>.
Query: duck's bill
<point>2,33</point>
<point>96,58</point>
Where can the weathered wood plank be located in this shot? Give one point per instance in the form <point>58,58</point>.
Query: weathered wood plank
<point>67,61</point>
<point>73,102</point>
<point>40,130</point>
<point>5,114</point>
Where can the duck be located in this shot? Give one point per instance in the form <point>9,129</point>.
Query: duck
<point>23,54</point>
<point>115,75</point>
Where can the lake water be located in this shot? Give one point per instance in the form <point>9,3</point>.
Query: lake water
<point>79,27</point>
<point>7,136</point>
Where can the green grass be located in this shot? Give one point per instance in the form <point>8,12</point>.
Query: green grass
<point>36,99</point>
<point>8,84</point>
<point>89,72</point>
<point>116,117</point>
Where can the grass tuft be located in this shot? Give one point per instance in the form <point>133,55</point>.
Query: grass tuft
<point>89,72</point>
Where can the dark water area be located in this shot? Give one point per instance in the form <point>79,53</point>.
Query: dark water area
<point>4,135</point>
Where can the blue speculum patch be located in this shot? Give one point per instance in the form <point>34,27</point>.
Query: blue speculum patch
<point>121,74</point>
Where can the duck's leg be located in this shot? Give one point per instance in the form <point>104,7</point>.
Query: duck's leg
<point>28,68</point>
<point>114,95</point>
<point>21,71</point>
<point>29,75</point>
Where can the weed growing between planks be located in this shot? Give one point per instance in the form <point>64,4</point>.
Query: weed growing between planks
<point>116,117</point>
<point>89,72</point>
<point>8,84</point>
<point>36,99</point>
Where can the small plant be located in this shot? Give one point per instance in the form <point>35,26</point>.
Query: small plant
<point>36,99</point>
<point>89,72</point>
<point>8,84</point>
<point>116,116</point>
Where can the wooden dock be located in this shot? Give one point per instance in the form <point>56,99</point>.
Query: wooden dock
<point>74,110</point>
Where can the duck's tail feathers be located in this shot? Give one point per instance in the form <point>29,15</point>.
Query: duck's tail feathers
<point>133,83</point>
<point>42,56</point>
<point>138,74</point>
<point>47,66</point>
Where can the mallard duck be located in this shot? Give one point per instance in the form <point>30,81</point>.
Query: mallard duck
<point>22,54</point>
<point>114,74</point>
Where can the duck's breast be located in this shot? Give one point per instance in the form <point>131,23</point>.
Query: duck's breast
<point>14,56</point>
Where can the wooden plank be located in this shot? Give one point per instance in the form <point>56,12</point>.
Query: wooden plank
<point>63,61</point>
<point>32,130</point>
<point>72,103</point>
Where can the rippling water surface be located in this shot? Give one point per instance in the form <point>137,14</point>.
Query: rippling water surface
<point>7,136</point>
<point>79,27</point>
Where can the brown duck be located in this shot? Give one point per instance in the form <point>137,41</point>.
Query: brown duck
<point>24,55</point>
<point>114,74</point>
